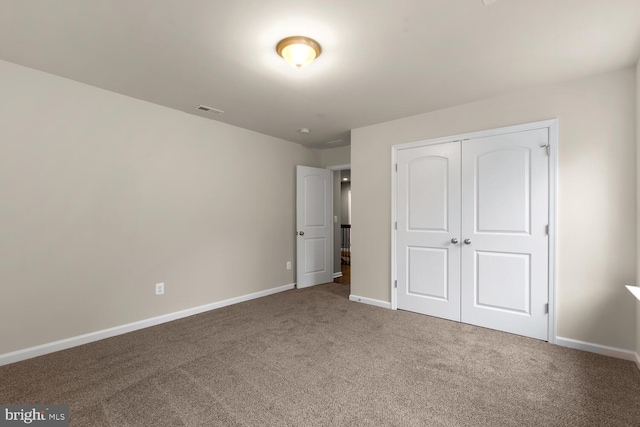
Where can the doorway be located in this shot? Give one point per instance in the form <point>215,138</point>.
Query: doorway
<point>342,223</point>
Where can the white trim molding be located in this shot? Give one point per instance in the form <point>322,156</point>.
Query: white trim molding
<point>41,350</point>
<point>370,301</point>
<point>337,275</point>
<point>599,349</point>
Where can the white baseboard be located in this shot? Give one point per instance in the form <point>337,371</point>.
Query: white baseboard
<point>64,344</point>
<point>370,301</point>
<point>336,275</point>
<point>599,349</point>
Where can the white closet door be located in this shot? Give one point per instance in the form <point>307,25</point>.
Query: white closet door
<point>428,213</point>
<point>505,217</point>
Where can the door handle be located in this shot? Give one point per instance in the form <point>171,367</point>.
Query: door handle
<point>454,240</point>
<point>301,233</point>
<point>467,241</point>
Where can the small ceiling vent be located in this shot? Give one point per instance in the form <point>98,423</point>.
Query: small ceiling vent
<point>209,109</point>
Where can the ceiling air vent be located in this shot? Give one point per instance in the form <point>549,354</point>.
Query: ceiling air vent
<point>209,109</point>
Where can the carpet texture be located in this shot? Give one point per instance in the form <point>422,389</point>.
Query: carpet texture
<point>310,357</point>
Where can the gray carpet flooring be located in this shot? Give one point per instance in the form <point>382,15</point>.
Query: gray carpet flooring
<point>312,358</point>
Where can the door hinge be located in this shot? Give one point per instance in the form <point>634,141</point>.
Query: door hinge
<point>395,285</point>
<point>546,308</point>
<point>547,147</point>
<point>396,167</point>
<point>547,229</point>
<point>396,225</point>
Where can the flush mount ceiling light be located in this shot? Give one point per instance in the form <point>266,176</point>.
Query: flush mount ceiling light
<point>298,51</point>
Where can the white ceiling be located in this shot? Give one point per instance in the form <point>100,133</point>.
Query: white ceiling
<point>381,60</point>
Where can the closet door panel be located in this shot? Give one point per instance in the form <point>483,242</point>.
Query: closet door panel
<point>504,224</point>
<point>428,212</point>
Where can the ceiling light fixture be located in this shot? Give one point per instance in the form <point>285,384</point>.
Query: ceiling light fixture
<point>298,51</point>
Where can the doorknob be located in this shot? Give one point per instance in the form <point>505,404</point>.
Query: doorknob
<point>467,241</point>
<point>301,233</point>
<point>454,240</point>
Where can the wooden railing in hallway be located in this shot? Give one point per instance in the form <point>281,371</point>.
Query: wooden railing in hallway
<point>345,244</point>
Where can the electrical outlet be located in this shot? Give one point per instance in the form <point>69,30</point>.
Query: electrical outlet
<point>288,265</point>
<point>159,288</point>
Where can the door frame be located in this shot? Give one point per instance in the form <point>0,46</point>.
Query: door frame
<point>552,126</point>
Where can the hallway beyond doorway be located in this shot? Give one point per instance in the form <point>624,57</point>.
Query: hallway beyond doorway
<point>345,279</point>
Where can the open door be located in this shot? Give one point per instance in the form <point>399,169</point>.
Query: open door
<point>314,207</point>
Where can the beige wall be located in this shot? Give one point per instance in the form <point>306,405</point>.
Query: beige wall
<point>638,204</point>
<point>335,156</point>
<point>105,195</point>
<point>596,195</point>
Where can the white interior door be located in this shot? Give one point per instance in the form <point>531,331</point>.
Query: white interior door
<point>314,207</point>
<point>505,215</point>
<point>428,213</point>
